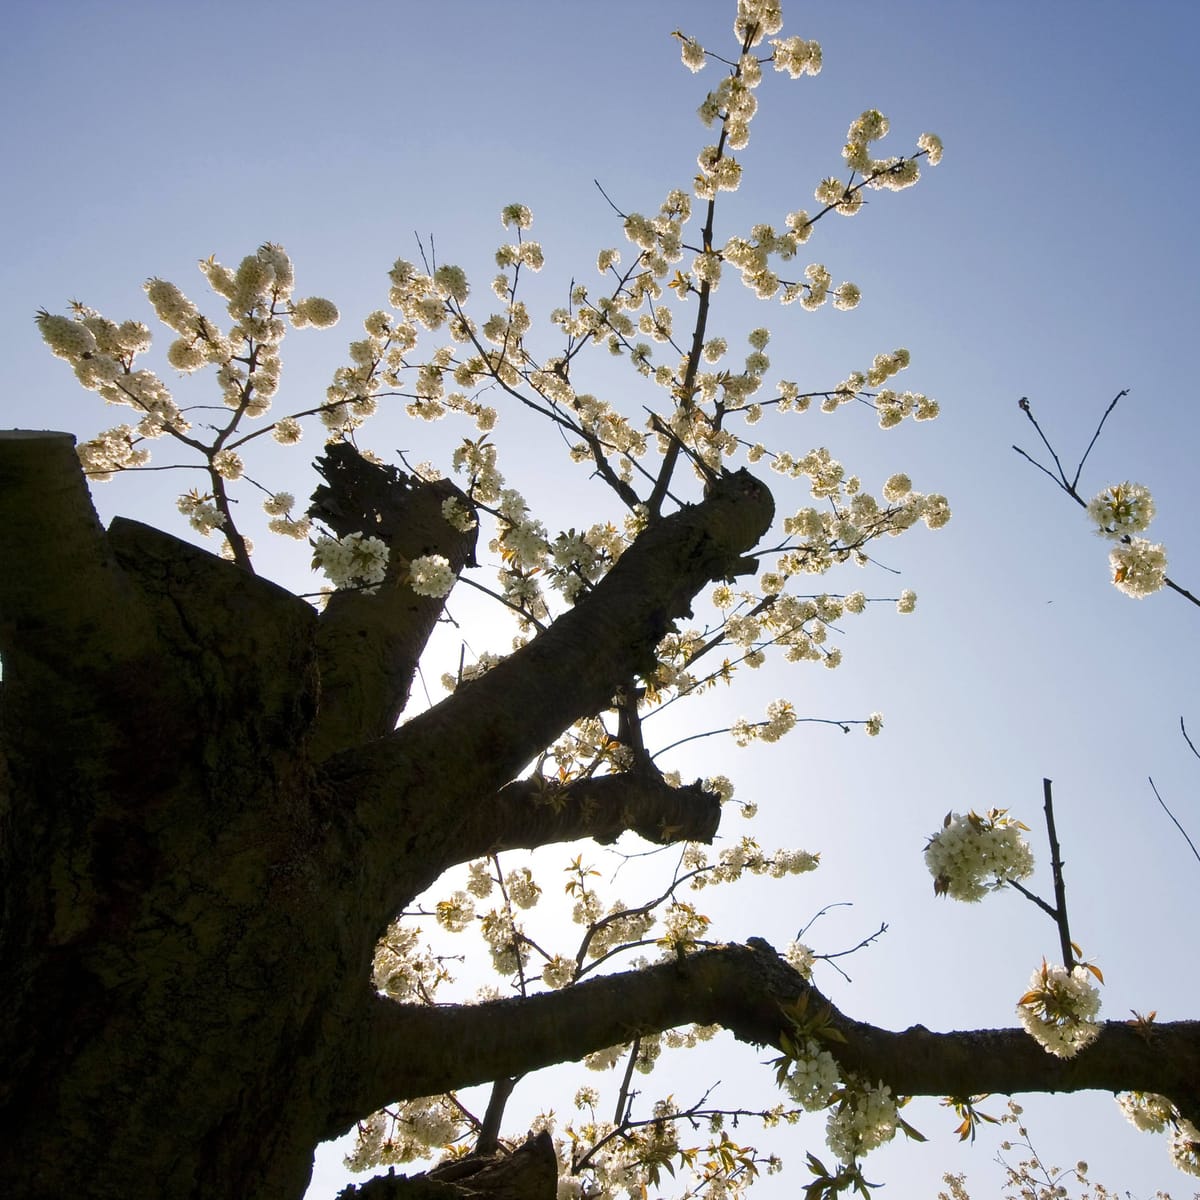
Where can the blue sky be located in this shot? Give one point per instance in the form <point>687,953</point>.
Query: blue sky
<point>1052,254</point>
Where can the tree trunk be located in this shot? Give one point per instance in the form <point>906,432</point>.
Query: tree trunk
<point>207,820</point>
<point>200,846</point>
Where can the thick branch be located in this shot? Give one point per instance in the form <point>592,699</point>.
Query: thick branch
<point>369,645</point>
<point>431,777</point>
<point>423,1050</point>
<point>537,812</point>
<point>69,619</point>
<point>241,645</point>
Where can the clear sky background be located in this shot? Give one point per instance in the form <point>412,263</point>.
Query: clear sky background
<point>1053,254</point>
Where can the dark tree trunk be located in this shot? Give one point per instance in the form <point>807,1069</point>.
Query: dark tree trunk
<point>207,820</point>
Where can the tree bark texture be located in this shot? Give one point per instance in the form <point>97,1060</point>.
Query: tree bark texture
<point>207,818</point>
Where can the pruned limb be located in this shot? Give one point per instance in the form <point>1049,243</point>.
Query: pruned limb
<point>538,812</point>
<point>247,644</point>
<point>530,1172</point>
<point>428,1050</point>
<point>71,623</point>
<point>369,645</point>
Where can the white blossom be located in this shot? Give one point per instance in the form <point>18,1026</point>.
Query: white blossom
<point>315,311</point>
<point>1058,1009</point>
<point>1139,567</point>
<point>430,575</point>
<point>972,854</point>
<point>814,1076</point>
<point>1147,1111</point>
<point>1121,509</point>
<point>352,561</point>
<point>864,1119</point>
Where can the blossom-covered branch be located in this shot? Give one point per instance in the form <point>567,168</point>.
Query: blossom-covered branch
<point>426,1050</point>
<point>1119,513</point>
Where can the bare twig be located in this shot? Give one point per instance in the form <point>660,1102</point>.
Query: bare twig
<point>1112,405</point>
<point>1060,887</point>
<point>1023,404</point>
<point>853,949</point>
<point>1191,746</point>
<point>624,1099</point>
<point>1182,591</point>
<point>1057,911</point>
<point>1173,818</point>
<point>1034,898</point>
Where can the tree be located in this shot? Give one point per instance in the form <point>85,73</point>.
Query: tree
<point>210,817</point>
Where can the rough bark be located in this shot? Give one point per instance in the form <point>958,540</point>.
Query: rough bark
<point>368,645</point>
<point>200,845</point>
<point>206,820</point>
<point>744,989</point>
<point>533,812</point>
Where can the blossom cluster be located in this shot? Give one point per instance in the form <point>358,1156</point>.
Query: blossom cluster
<point>402,969</point>
<point>1059,1009</point>
<point>745,856</point>
<point>202,514</point>
<point>258,295</point>
<point>355,560</point>
<point>259,301</point>
<point>1147,1111</point>
<point>1119,512</point>
<point>864,1118</point>
<point>111,451</point>
<point>813,1078</point>
<point>409,1131</point>
<point>278,506</point>
<point>800,958</point>
<point>1139,567</point>
<point>1154,1114</point>
<point>972,854</point>
<point>431,575</point>
<point>1184,1147</point>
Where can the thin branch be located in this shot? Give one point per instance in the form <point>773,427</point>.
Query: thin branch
<point>1044,470</point>
<point>1034,898</point>
<point>1096,435</point>
<point>1172,816</point>
<point>624,1100</point>
<point>819,914</point>
<point>1023,404</point>
<point>1071,486</point>
<point>609,199</point>
<point>828,958</point>
<point>1182,591</point>
<point>237,543</point>
<point>1183,730</point>
<point>1060,887</point>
